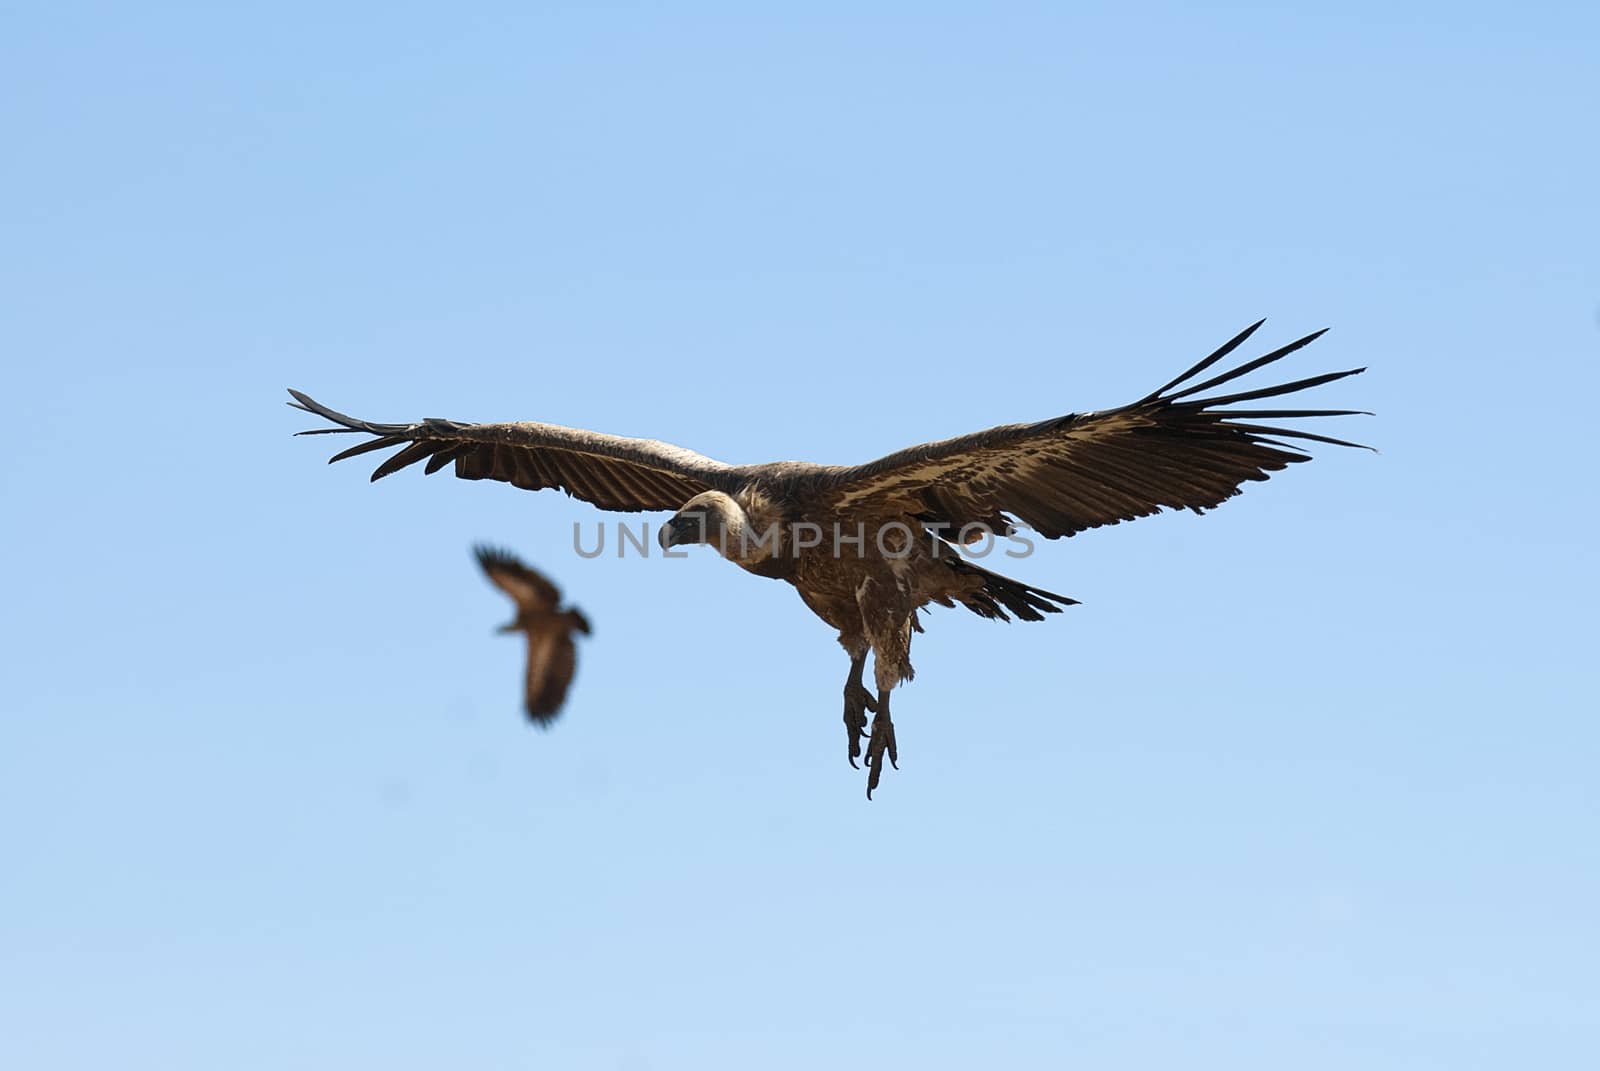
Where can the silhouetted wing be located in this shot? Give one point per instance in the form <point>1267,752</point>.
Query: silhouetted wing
<point>1169,450</point>
<point>528,588</point>
<point>552,660</point>
<point>608,470</point>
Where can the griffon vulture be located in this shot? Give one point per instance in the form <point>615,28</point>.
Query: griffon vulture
<point>868,546</point>
<point>552,656</point>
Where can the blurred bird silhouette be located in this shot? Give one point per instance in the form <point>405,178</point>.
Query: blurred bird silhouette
<point>552,656</point>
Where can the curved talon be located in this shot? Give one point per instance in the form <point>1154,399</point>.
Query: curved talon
<point>854,752</point>
<point>872,779</point>
<point>855,721</point>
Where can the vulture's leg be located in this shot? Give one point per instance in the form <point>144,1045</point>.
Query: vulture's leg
<point>882,742</point>
<point>888,613</point>
<point>857,701</point>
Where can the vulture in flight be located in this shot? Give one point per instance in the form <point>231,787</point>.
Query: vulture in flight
<point>552,656</point>
<point>868,546</point>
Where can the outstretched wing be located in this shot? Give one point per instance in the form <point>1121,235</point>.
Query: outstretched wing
<point>552,660</point>
<point>610,471</point>
<point>1168,450</point>
<point>530,589</point>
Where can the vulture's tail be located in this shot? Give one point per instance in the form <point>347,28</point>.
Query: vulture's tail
<point>1001,593</point>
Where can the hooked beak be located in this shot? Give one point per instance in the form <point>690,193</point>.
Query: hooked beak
<point>679,530</point>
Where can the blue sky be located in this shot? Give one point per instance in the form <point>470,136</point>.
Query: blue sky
<point>1307,782</point>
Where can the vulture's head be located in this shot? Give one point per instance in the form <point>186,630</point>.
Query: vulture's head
<point>711,517</point>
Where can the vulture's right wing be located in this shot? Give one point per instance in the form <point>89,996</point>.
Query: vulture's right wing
<point>610,471</point>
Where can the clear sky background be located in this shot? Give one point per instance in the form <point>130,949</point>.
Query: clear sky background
<point>1308,782</point>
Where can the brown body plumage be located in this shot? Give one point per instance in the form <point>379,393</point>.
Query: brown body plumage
<point>1057,477</point>
<point>552,655</point>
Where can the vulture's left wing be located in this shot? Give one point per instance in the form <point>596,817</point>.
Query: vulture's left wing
<point>608,470</point>
<point>1169,450</point>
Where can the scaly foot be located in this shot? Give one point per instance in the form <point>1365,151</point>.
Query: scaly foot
<point>857,701</point>
<point>881,744</point>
